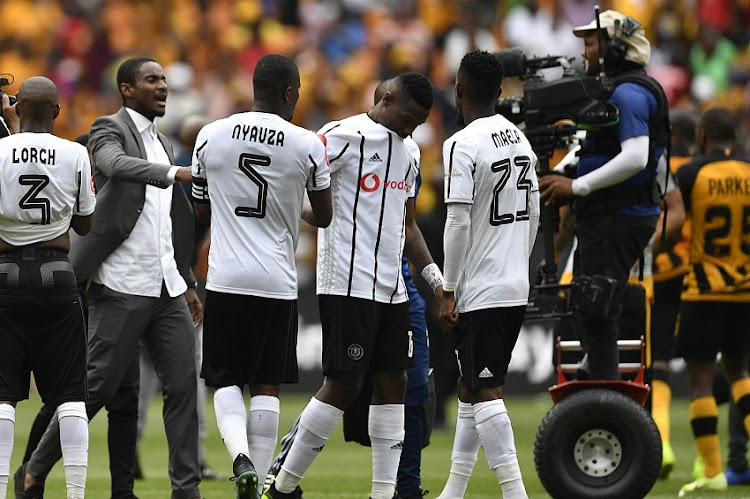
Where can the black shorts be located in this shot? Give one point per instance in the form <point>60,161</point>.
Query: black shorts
<point>249,340</point>
<point>485,342</point>
<point>664,313</point>
<point>707,328</point>
<point>363,335</point>
<point>42,327</point>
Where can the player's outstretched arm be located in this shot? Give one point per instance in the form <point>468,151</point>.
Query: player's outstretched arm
<point>320,211</point>
<point>106,141</point>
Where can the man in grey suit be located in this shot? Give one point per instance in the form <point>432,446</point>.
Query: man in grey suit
<point>135,264</point>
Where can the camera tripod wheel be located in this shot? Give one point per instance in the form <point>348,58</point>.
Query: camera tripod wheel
<point>597,443</point>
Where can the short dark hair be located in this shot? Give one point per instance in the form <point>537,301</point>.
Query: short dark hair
<point>274,73</point>
<point>718,125</point>
<point>417,87</point>
<point>481,74</point>
<point>127,70</point>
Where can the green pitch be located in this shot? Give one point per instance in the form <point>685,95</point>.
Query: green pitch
<point>343,469</point>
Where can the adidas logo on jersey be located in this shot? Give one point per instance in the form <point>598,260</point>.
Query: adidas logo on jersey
<point>398,445</point>
<point>375,158</point>
<point>318,449</point>
<point>486,373</point>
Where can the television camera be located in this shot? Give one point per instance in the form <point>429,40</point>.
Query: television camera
<point>553,111</point>
<point>4,82</point>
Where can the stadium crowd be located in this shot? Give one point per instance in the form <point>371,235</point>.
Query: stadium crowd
<point>345,47</point>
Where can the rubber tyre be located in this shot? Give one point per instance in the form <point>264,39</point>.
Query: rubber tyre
<point>619,416</point>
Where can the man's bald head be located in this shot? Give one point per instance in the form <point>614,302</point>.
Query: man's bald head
<point>189,130</point>
<point>37,99</point>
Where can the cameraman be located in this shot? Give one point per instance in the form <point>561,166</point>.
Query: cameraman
<point>616,201</point>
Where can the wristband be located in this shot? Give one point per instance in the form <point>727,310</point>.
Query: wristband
<point>431,273</point>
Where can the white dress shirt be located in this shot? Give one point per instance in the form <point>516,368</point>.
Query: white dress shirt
<point>145,259</point>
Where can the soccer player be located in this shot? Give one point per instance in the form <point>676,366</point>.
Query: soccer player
<point>362,295</point>
<point>715,308</point>
<point>492,195</point>
<point>415,419</point>
<point>253,168</point>
<point>47,189</point>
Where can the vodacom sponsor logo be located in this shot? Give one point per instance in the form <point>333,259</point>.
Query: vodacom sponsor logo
<point>369,182</point>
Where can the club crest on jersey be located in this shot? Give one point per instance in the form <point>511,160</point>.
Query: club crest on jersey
<point>355,351</point>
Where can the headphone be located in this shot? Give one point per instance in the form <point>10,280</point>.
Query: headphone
<point>616,48</point>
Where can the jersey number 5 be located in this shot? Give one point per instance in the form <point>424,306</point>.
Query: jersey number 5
<point>31,201</point>
<point>247,161</point>
<point>503,168</point>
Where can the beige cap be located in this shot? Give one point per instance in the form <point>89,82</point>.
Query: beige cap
<point>639,49</point>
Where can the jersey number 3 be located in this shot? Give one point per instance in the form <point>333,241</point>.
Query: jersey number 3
<point>247,161</point>
<point>523,184</point>
<point>31,200</point>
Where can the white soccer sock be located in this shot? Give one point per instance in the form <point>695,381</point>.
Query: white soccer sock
<point>386,430</point>
<point>231,419</point>
<point>316,424</point>
<point>464,456</point>
<point>496,433</point>
<point>262,432</point>
<point>74,442</point>
<point>7,428</point>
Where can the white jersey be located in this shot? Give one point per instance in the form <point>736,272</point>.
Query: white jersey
<point>490,165</point>
<point>373,173</point>
<point>257,166</point>
<point>45,181</point>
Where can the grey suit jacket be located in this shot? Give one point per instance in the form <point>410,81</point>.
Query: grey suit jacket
<point>121,174</point>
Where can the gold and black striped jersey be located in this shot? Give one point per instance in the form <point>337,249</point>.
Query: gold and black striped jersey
<point>716,191</point>
<point>674,262</point>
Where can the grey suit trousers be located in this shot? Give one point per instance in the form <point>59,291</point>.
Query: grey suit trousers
<point>117,323</point>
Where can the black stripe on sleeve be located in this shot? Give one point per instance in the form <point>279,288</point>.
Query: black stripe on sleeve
<point>354,211</point>
<point>450,171</point>
<point>382,212</point>
<point>78,194</point>
<point>334,126</point>
<point>701,278</point>
<point>196,155</point>
<point>315,170</point>
<point>339,154</point>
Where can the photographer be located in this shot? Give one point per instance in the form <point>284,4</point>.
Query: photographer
<point>616,200</point>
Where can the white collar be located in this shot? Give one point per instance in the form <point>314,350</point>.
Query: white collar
<point>141,122</point>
